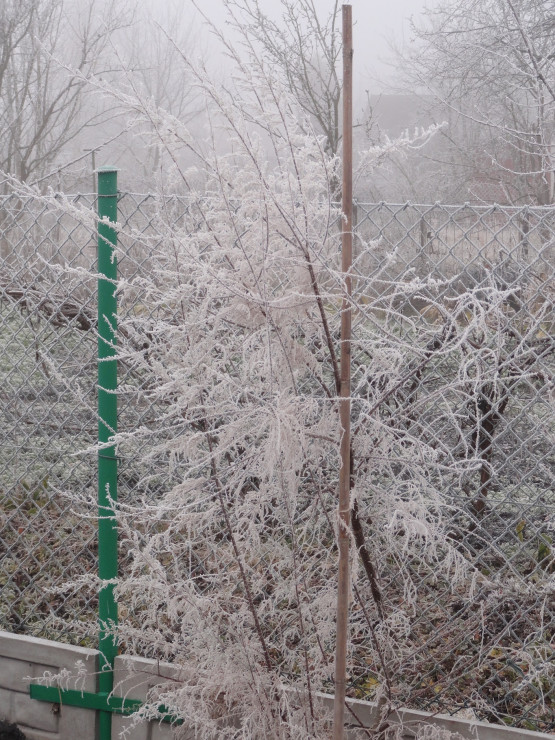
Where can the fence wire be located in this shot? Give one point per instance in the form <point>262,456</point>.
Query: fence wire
<point>464,295</point>
<point>488,405</point>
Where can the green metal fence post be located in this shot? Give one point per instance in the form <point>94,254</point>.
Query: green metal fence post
<point>107,427</point>
<point>102,700</point>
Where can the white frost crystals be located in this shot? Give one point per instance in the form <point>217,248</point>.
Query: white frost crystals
<point>229,343</point>
<point>233,572</point>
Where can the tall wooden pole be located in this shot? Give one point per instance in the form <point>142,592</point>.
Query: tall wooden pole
<point>344,586</point>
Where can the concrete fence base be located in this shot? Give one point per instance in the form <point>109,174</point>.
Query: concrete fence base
<point>24,658</point>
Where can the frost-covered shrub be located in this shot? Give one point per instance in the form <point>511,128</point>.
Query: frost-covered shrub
<point>229,335</point>
<point>233,570</point>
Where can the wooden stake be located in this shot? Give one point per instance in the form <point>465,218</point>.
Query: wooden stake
<point>343,585</point>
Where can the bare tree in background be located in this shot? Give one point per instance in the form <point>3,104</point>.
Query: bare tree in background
<point>154,70</point>
<point>306,47</point>
<point>488,66</point>
<point>41,103</point>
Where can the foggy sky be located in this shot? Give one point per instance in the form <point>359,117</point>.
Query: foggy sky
<point>376,22</point>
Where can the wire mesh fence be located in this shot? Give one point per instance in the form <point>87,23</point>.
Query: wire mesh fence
<point>453,359</point>
<point>491,650</point>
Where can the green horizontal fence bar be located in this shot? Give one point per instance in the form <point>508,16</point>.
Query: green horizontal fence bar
<point>102,701</point>
<point>70,698</point>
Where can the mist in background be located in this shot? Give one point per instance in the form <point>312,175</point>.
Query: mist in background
<point>464,90</point>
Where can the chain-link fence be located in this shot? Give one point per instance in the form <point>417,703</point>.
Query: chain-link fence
<point>458,300</point>
<point>492,650</point>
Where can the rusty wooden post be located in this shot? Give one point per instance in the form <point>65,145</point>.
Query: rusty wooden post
<point>344,538</point>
